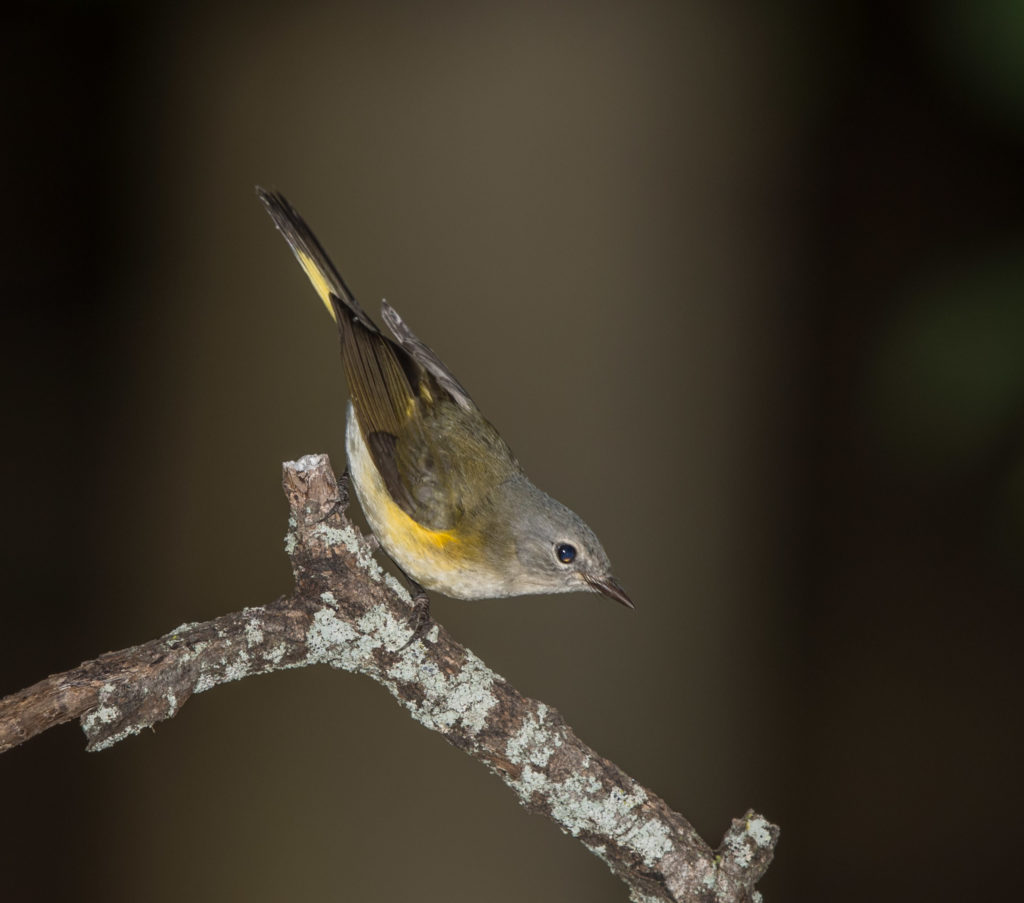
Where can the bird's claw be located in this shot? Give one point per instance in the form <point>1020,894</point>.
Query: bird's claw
<point>419,620</point>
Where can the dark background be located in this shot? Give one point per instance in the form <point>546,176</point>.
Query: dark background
<point>742,283</point>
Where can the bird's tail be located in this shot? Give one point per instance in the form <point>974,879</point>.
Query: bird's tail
<point>312,258</point>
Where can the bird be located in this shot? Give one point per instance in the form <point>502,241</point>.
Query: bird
<point>440,488</point>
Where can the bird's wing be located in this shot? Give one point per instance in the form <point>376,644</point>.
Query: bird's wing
<point>437,455</point>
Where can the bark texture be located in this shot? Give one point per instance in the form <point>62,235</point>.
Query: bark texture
<point>347,613</point>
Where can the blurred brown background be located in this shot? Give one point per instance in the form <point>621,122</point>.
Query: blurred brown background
<point>742,283</point>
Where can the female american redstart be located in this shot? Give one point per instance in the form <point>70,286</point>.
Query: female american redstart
<point>439,487</point>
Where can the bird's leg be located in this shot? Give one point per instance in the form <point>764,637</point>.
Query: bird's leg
<point>344,481</point>
<point>420,619</point>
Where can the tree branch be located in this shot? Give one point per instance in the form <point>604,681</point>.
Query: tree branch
<point>347,613</point>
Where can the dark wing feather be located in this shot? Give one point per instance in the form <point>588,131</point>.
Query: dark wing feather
<point>425,357</point>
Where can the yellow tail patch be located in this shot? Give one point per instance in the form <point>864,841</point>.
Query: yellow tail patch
<point>316,275</point>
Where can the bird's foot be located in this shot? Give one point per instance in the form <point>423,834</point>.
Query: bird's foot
<point>420,620</point>
<point>341,502</point>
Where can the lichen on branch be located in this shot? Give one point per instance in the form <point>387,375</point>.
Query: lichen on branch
<point>347,612</point>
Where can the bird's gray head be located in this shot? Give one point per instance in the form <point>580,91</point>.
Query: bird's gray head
<point>557,552</point>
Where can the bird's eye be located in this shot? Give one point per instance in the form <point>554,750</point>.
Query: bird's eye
<point>565,553</point>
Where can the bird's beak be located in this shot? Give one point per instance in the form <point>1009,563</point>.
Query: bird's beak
<point>609,586</point>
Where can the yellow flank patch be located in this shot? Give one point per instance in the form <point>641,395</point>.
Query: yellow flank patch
<point>406,540</point>
<point>316,276</point>
<point>418,536</point>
